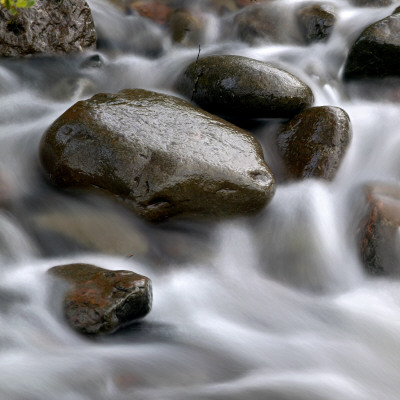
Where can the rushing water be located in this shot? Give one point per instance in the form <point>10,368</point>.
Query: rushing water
<point>276,307</point>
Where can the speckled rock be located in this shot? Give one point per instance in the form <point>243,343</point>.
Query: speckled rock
<point>376,52</point>
<point>314,142</point>
<point>99,300</point>
<point>316,22</point>
<point>49,27</point>
<point>158,154</point>
<point>379,239</point>
<point>269,22</point>
<point>242,87</point>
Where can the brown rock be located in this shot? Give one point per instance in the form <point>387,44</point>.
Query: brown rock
<point>186,28</point>
<point>379,241</point>
<point>159,155</point>
<point>371,3</point>
<point>313,143</point>
<point>242,87</point>
<point>316,22</point>
<point>99,300</point>
<point>49,27</point>
<point>155,10</point>
<point>269,22</point>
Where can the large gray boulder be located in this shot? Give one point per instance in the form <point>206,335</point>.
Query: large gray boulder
<point>376,52</point>
<point>49,27</point>
<point>313,144</point>
<point>242,87</point>
<point>99,300</point>
<point>158,154</point>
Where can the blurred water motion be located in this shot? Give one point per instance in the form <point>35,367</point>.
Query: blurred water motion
<point>276,306</point>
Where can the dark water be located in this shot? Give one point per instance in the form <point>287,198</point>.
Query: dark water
<point>275,307</point>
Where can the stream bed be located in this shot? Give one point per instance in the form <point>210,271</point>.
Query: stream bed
<point>274,307</point>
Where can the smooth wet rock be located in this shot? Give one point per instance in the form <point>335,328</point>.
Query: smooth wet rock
<point>49,27</point>
<point>241,87</point>
<point>379,240</point>
<point>313,143</point>
<point>376,52</point>
<point>268,22</point>
<point>159,155</point>
<point>316,22</point>
<point>99,300</point>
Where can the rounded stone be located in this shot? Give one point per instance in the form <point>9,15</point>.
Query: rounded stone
<point>314,142</point>
<point>316,22</point>
<point>376,52</point>
<point>159,155</point>
<point>242,87</point>
<point>99,300</point>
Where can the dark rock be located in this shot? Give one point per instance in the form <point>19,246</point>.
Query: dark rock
<point>376,52</point>
<point>159,155</point>
<point>314,142</point>
<point>49,27</point>
<point>100,300</point>
<point>371,3</point>
<point>242,87</point>
<point>316,22</point>
<point>271,22</point>
<point>379,240</point>
<point>223,7</point>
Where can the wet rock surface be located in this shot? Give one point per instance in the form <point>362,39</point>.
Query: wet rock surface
<point>159,155</point>
<point>49,27</point>
<point>314,142</point>
<point>316,22</point>
<point>379,230</point>
<point>376,52</point>
<point>99,300</point>
<point>244,88</point>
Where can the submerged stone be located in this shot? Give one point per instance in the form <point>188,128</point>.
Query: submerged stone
<point>316,22</point>
<point>379,240</point>
<point>242,87</point>
<point>49,27</point>
<point>99,300</point>
<point>268,22</point>
<point>376,52</point>
<point>159,155</point>
<point>313,143</point>
<point>371,3</point>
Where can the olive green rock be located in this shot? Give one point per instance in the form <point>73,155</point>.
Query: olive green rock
<point>99,300</point>
<point>314,142</point>
<point>158,154</point>
<point>242,87</point>
<point>376,52</point>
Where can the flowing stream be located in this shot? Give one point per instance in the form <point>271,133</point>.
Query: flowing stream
<point>273,307</point>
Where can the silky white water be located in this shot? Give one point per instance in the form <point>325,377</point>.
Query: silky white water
<point>273,307</point>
